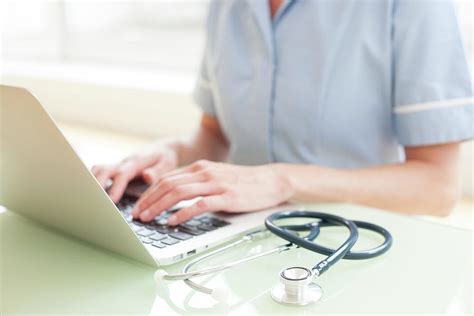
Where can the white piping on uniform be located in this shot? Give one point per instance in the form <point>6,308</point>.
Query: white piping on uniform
<point>410,108</point>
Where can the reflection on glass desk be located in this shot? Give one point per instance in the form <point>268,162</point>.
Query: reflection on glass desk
<point>428,269</point>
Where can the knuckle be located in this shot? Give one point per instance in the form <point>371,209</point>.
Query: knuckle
<point>146,204</point>
<point>202,204</point>
<point>154,210</point>
<point>166,184</point>
<point>124,168</point>
<point>179,191</point>
<point>208,173</point>
<point>201,164</point>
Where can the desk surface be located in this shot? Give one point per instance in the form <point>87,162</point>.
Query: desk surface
<point>428,269</point>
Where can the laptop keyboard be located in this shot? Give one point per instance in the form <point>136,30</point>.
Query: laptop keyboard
<point>160,235</point>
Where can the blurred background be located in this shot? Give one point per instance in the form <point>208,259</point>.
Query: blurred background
<point>116,74</point>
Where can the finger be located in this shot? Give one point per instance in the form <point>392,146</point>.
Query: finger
<point>194,167</point>
<point>132,167</point>
<point>104,175</point>
<point>151,174</point>
<point>179,193</point>
<point>211,203</point>
<point>126,172</point>
<point>162,187</point>
<point>118,187</point>
<point>178,171</point>
<point>96,169</point>
<point>142,162</point>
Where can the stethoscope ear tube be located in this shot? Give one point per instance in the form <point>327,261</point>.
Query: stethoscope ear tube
<point>334,255</point>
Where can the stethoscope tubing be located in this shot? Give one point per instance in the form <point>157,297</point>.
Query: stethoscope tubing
<point>287,235</point>
<point>287,232</point>
<point>315,228</point>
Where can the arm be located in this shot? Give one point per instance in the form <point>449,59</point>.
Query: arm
<point>427,183</point>
<point>207,142</point>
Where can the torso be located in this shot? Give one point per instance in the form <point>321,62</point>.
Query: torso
<point>311,85</point>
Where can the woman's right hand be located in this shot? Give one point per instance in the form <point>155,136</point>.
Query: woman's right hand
<point>149,165</point>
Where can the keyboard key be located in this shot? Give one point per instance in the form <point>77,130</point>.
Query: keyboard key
<point>136,228</point>
<point>164,229</point>
<point>188,226</point>
<point>207,227</point>
<point>127,209</point>
<point>205,219</point>
<point>181,235</point>
<point>219,223</point>
<point>158,236</point>
<point>146,240</point>
<point>193,222</point>
<point>158,244</point>
<point>223,223</point>
<point>151,226</point>
<point>191,230</point>
<point>161,221</point>
<point>145,232</point>
<point>170,241</point>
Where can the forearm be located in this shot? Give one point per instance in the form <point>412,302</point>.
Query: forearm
<point>200,145</point>
<point>414,187</point>
<point>206,142</point>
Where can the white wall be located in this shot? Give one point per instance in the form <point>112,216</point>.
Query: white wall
<point>111,99</point>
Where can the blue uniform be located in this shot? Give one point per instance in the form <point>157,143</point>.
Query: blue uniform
<point>339,83</point>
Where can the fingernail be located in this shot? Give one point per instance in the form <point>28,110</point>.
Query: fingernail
<point>145,215</point>
<point>172,220</point>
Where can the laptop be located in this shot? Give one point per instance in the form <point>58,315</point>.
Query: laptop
<point>42,178</point>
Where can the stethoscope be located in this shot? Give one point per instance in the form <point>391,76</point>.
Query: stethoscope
<point>296,284</point>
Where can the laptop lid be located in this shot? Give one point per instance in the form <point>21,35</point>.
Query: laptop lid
<point>41,177</point>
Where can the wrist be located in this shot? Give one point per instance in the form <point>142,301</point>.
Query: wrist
<point>285,183</point>
<point>176,148</point>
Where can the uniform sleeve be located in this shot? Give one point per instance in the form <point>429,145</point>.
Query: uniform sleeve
<point>432,89</point>
<point>202,90</point>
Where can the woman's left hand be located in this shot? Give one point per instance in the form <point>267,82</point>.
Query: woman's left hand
<point>223,187</point>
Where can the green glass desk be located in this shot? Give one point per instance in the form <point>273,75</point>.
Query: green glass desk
<point>428,269</point>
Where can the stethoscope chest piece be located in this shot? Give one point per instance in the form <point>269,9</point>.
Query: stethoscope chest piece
<point>296,287</point>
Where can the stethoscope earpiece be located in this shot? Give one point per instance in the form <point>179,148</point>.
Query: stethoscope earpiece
<point>296,287</point>
<point>159,276</point>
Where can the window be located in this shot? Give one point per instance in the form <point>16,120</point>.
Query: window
<point>158,34</point>
<point>140,34</point>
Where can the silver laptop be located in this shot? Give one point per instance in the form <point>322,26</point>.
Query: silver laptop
<point>42,178</point>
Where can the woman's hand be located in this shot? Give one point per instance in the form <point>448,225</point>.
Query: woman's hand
<point>223,187</point>
<point>149,165</point>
